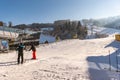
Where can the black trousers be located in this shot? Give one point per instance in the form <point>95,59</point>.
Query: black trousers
<point>20,55</point>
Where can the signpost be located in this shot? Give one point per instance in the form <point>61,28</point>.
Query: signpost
<point>4,45</point>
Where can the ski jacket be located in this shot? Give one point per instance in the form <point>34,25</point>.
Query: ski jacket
<point>20,49</point>
<point>33,48</point>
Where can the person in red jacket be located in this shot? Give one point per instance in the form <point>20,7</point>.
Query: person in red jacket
<point>33,50</point>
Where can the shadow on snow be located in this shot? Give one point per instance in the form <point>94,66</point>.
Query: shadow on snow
<point>11,63</point>
<point>100,65</point>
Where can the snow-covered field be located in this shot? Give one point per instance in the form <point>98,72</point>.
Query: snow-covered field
<point>92,59</point>
<point>108,31</point>
<point>66,60</point>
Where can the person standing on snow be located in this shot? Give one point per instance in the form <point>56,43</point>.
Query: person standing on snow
<point>33,50</point>
<point>20,53</point>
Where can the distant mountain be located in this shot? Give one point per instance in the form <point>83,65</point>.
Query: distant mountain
<point>110,22</point>
<point>114,24</point>
<point>34,26</point>
<point>109,19</point>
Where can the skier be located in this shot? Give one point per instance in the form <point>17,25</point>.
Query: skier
<point>33,50</point>
<point>20,53</point>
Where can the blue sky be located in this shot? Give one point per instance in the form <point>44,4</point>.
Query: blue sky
<point>44,11</point>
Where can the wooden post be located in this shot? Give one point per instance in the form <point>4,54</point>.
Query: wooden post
<point>117,61</point>
<point>109,61</point>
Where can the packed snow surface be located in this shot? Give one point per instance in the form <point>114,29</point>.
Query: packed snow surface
<point>92,59</point>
